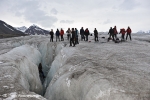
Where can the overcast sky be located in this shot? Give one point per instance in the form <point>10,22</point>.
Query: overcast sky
<point>100,14</point>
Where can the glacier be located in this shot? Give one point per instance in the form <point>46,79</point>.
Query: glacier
<point>90,71</point>
<point>19,61</point>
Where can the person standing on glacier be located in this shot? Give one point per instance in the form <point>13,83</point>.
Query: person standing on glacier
<point>122,31</point>
<point>87,33</point>
<point>72,39</point>
<point>111,32</point>
<point>61,34</point>
<point>68,34</point>
<point>52,35</point>
<point>77,33</point>
<point>115,33</point>
<point>57,35</point>
<point>96,35</point>
<point>128,33</point>
<point>82,34</point>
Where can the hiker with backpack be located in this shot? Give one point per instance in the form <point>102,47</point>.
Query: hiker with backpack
<point>111,32</point>
<point>96,35</point>
<point>52,35</point>
<point>61,34</point>
<point>57,35</point>
<point>128,33</point>
<point>87,33</point>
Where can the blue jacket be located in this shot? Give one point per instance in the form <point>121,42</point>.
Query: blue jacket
<point>57,33</point>
<point>77,33</point>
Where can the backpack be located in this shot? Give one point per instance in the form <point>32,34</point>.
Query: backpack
<point>77,32</point>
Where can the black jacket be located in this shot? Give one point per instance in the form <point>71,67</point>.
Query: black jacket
<point>95,33</point>
<point>111,31</point>
<point>51,33</point>
<point>73,34</point>
<point>81,31</point>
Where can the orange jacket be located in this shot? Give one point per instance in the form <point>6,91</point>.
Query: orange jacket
<point>62,32</point>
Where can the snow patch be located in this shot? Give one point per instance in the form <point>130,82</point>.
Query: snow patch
<point>6,87</point>
<point>1,62</point>
<point>14,95</point>
<point>8,27</point>
<point>107,93</point>
<point>7,76</point>
<point>22,29</point>
<point>29,96</point>
<point>4,95</point>
<point>10,96</point>
<point>73,68</point>
<point>68,82</point>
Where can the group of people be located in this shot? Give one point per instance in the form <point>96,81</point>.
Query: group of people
<point>113,33</point>
<point>58,33</point>
<point>73,34</point>
<point>85,33</point>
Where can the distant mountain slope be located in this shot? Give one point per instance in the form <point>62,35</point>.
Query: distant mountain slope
<point>7,30</point>
<point>32,30</point>
<point>143,32</point>
<point>22,29</point>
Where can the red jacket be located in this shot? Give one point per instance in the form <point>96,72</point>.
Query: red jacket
<point>115,30</point>
<point>129,30</point>
<point>62,32</point>
<point>122,31</point>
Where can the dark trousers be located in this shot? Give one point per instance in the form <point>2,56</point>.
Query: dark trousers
<point>129,36</point>
<point>110,35</point>
<point>86,37</point>
<point>122,36</point>
<point>82,37</point>
<point>58,38</point>
<point>76,41</point>
<point>96,38</point>
<point>72,40</point>
<point>68,37</point>
<point>114,36</point>
<point>51,39</point>
<point>62,38</point>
